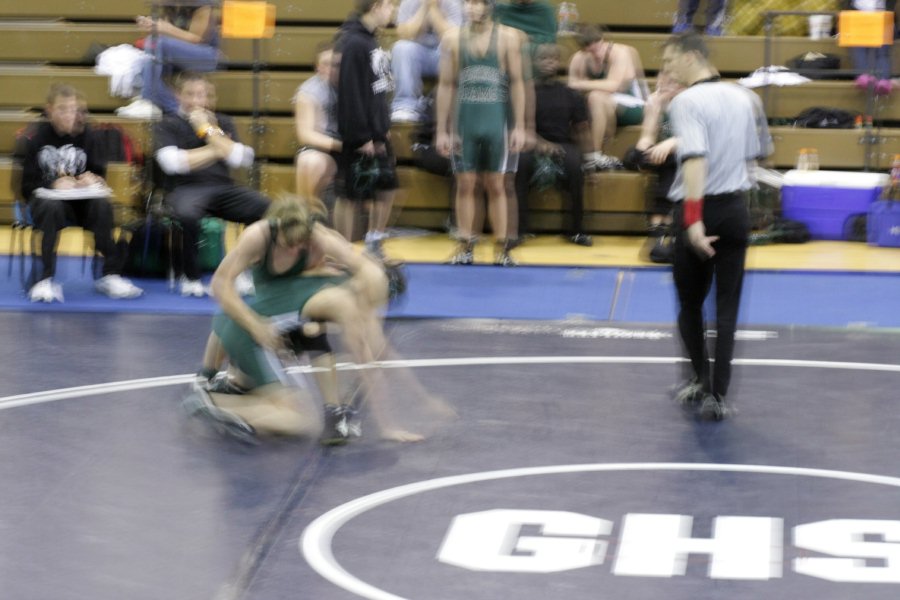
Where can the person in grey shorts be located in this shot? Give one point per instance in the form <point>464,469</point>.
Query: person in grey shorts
<point>714,173</point>
<point>315,122</point>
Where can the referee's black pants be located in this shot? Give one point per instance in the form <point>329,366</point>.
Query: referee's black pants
<point>726,216</point>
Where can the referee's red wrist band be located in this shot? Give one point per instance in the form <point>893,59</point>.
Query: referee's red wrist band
<point>693,211</point>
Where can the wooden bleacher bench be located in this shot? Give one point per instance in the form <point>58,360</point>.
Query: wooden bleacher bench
<point>63,42</point>
<point>640,13</point>
<point>614,202</point>
<point>25,87</point>
<point>837,148</point>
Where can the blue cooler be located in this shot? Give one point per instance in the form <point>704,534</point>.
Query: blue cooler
<point>828,201</point>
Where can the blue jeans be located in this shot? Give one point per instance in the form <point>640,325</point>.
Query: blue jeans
<point>170,56</point>
<point>715,16</point>
<point>410,61</point>
<point>874,60</point>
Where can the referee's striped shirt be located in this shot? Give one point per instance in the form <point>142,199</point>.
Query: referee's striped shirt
<point>724,123</point>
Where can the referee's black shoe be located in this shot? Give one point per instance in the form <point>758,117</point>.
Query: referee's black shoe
<point>688,393</point>
<point>712,408</point>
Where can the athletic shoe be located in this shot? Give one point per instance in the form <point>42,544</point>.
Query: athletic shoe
<point>200,404</point>
<point>503,259</point>
<point>139,109</point>
<point>688,393</point>
<point>463,256</point>
<point>46,290</point>
<point>712,408</point>
<point>341,423</point>
<point>117,287</point>
<point>605,162</point>
<point>375,248</point>
<point>405,115</point>
<point>682,25</point>
<point>582,239</point>
<point>244,284</point>
<point>222,384</point>
<point>192,287</point>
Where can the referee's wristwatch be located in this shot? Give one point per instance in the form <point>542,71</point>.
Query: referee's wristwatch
<point>207,130</point>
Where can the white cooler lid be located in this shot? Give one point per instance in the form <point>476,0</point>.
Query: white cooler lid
<point>837,179</point>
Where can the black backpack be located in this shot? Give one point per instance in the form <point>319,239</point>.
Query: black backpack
<point>823,117</point>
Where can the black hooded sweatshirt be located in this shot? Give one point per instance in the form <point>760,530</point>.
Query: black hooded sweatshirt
<point>365,82</point>
<point>47,155</point>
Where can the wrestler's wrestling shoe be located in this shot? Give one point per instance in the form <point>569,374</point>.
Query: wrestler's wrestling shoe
<point>200,404</point>
<point>341,423</point>
<point>222,384</point>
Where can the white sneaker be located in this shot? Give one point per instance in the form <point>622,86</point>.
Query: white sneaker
<point>192,287</point>
<point>117,287</point>
<point>405,115</point>
<point>244,284</point>
<point>139,109</point>
<point>46,290</point>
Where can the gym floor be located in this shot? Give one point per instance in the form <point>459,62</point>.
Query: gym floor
<point>567,472</point>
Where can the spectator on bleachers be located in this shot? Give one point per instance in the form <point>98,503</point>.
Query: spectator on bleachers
<point>655,152</point>
<point>316,126</point>
<point>611,77</point>
<point>873,64</point>
<point>562,135</point>
<point>481,87</point>
<point>364,122</point>
<point>420,25</point>
<point>196,149</point>
<point>61,155</point>
<point>715,16</point>
<point>184,38</point>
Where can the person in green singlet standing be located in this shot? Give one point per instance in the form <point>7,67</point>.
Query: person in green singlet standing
<point>480,79</point>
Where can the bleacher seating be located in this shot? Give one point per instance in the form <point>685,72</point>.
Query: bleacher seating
<point>48,41</point>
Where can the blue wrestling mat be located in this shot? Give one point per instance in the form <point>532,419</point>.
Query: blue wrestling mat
<point>641,295</point>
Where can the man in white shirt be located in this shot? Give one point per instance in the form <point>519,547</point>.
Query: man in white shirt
<point>714,174</point>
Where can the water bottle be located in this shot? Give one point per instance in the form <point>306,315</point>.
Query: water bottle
<point>564,19</point>
<point>803,160</point>
<point>812,159</point>
<point>574,17</point>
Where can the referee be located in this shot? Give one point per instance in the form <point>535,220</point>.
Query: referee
<point>721,131</point>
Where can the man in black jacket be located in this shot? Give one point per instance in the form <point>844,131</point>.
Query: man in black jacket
<point>196,148</point>
<point>63,171</point>
<point>363,115</point>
